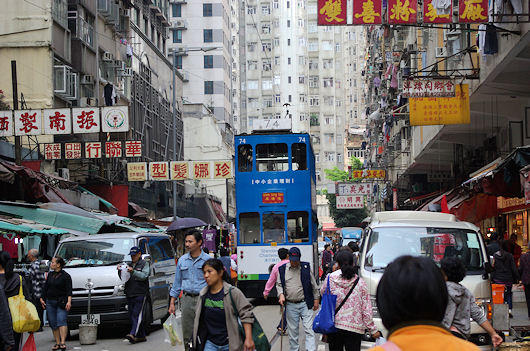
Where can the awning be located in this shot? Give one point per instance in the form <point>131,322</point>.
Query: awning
<point>485,171</point>
<point>111,208</point>
<point>6,227</point>
<point>416,199</point>
<point>136,210</point>
<point>218,209</point>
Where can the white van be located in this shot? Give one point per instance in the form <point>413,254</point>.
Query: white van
<point>96,257</point>
<point>431,234</point>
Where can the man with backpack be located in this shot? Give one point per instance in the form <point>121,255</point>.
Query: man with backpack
<point>299,293</point>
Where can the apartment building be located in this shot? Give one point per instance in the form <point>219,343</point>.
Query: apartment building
<point>204,38</point>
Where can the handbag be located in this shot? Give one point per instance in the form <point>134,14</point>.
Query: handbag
<point>23,313</point>
<point>62,301</point>
<point>324,322</point>
<point>261,343</point>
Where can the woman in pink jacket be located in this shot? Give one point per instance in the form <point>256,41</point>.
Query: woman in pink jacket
<point>355,315</point>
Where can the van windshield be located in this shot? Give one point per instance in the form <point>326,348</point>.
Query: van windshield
<point>95,252</point>
<point>386,244</point>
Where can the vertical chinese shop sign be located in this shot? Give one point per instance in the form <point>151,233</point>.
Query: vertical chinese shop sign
<point>331,12</point>
<point>402,11</point>
<point>472,11</point>
<point>367,11</point>
<point>440,14</point>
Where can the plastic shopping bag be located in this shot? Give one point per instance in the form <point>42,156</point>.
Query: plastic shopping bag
<point>380,341</point>
<point>23,313</point>
<point>30,344</point>
<point>124,274</point>
<point>173,330</point>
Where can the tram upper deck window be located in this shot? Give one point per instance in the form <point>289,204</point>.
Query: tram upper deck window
<point>272,157</point>
<point>298,226</point>
<point>298,151</point>
<point>244,158</point>
<point>273,227</point>
<point>249,228</point>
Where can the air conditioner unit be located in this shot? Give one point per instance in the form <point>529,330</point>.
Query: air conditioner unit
<point>72,14</point>
<point>119,64</point>
<point>87,79</point>
<point>64,173</point>
<point>125,12</point>
<point>107,56</point>
<point>181,49</point>
<point>126,72</point>
<point>180,24</point>
<point>87,101</point>
<point>441,51</point>
<point>185,77</point>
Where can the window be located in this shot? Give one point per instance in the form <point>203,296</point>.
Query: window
<point>276,4</point>
<point>289,79</point>
<point>265,9</point>
<point>244,158</point>
<point>298,226</point>
<point>276,60</point>
<point>288,4</point>
<point>301,22</point>
<point>330,156</point>
<point>252,84</point>
<point>251,47</point>
<point>299,158</point>
<point>160,249</point>
<point>317,158</point>
<point>177,35</point>
<point>339,140</point>
<point>208,61</point>
<point>266,28</point>
<point>277,80</point>
<point>251,10</point>
<point>301,60</point>
<point>301,98</point>
<point>288,60</point>
<point>301,41</point>
<point>249,228</point>
<point>290,99</point>
<point>277,99</point>
<point>266,46</point>
<point>208,87</point>
<point>314,119</point>
<point>252,65</point>
<point>267,101</point>
<point>266,85</point>
<point>272,157</point>
<point>314,100</point>
<point>276,42</point>
<point>266,65</point>
<point>339,158</point>
<point>176,10</point>
<point>208,35</point>
<point>328,82</point>
<point>102,252</point>
<point>327,63</point>
<point>313,28</point>
<point>313,81</point>
<point>313,64</point>
<point>327,45</point>
<point>207,10</point>
<point>288,42</point>
<point>301,79</point>
<point>329,120</point>
<point>178,62</point>
<point>273,227</point>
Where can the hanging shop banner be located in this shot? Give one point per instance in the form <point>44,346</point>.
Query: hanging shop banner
<point>6,123</point>
<point>344,189</point>
<point>86,120</point>
<point>93,150</point>
<point>367,11</point>
<point>201,170</point>
<point>437,111</point>
<point>472,11</point>
<point>428,88</point>
<point>137,171</point>
<point>115,119</point>
<point>222,169</point>
<point>369,173</point>
<point>349,202</point>
<point>133,148</point>
<point>402,11</point>
<point>113,149</point>
<point>435,11</point>
<point>28,122</point>
<point>332,12</point>
<point>179,170</point>
<point>72,151</point>
<point>57,121</point>
<point>159,170</point>
<point>52,151</point>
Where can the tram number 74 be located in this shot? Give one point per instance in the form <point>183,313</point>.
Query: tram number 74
<point>301,139</point>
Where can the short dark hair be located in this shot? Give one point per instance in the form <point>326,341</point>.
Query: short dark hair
<point>60,261</point>
<point>353,246</point>
<point>283,253</point>
<point>411,289</point>
<point>326,246</point>
<point>196,235</point>
<point>7,264</point>
<point>454,269</point>
<point>506,245</point>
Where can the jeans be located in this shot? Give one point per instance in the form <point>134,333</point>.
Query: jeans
<point>57,316</point>
<point>136,306</point>
<point>188,304</point>
<point>507,292</point>
<point>210,346</point>
<point>295,312</point>
<point>344,340</point>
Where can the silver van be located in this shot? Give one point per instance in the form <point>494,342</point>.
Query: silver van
<point>436,235</point>
<point>96,257</point>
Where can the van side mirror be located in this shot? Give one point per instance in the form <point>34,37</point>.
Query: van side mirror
<point>146,257</point>
<point>488,268</point>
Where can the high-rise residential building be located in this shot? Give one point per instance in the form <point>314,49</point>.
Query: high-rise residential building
<point>204,38</point>
<point>314,70</point>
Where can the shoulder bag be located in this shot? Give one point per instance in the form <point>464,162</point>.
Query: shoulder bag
<point>23,313</point>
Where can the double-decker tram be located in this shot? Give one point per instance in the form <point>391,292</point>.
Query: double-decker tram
<point>275,204</point>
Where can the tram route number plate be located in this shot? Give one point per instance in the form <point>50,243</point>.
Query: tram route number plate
<point>95,319</point>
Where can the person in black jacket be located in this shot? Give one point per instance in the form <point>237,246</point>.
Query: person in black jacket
<point>57,300</point>
<point>505,271</point>
<point>11,286</point>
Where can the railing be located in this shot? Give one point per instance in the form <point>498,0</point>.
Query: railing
<point>60,12</point>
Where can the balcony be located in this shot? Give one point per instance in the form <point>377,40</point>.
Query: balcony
<point>60,12</point>
<point>81,29</point>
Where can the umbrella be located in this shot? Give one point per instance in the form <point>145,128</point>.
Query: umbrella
<point>186,222</point>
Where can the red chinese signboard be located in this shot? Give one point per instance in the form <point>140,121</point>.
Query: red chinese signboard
<point>331,12</point>
<point>113,149</point>
<point>402,11</point>
<point>57,121</point>
<point>472,11</point>
<point>441,14</point>
<point>72,151</point>
<point>52,151</point>
<point>367,11</point>
<point>133,148</point>
<point>272,198</point>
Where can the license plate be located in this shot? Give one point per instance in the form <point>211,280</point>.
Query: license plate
<point>95,319</point>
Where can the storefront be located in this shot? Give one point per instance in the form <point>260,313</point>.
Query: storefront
<point>515,212</point>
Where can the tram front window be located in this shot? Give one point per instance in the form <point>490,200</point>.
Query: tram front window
<point>298,226</point>
<point>298,151</point>
<point>249,228</point>
<point>244,158</point>
<point>272,157</point>
<point>273,227</point>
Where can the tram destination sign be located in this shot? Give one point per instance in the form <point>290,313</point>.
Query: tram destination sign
<point>345,189</point>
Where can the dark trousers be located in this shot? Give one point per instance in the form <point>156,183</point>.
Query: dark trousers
<point>344,340</point>
<point>40,311</point>
<point>527,296</point>
<point>136,307</point>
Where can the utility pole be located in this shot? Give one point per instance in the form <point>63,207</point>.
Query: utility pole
<point>14,83</point>
<point>174,133</point>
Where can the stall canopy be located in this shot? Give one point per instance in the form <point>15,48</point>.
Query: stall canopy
<point>6,227</point>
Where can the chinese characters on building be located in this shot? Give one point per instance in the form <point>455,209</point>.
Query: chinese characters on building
<point>179,170</point>
<point>350,201</point>
<point>113,149</point>
<point>369,173</point>
<point>353,189</point>
<point>435,111</point>
<point>428,88</point>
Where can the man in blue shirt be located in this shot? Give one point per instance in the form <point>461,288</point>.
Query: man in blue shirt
<point>189,280</point>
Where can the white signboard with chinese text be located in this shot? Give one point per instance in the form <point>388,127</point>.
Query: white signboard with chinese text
<point>28,122</point>
<point>86,120</point>
<point>6,123</point>
<point>137,171</point>
<point>354,188</point>
<point>350,201</point>
<point>57,121</point>
<point>115,119</point>
<point>159,170</point>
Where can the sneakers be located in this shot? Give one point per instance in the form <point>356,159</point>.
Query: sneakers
<point>140,339</point>
<point>131,338</point>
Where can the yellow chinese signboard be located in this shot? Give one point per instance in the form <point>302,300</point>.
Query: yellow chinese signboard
<point>137,171</point>
<point>369,173</point>
<point>434,111</point>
